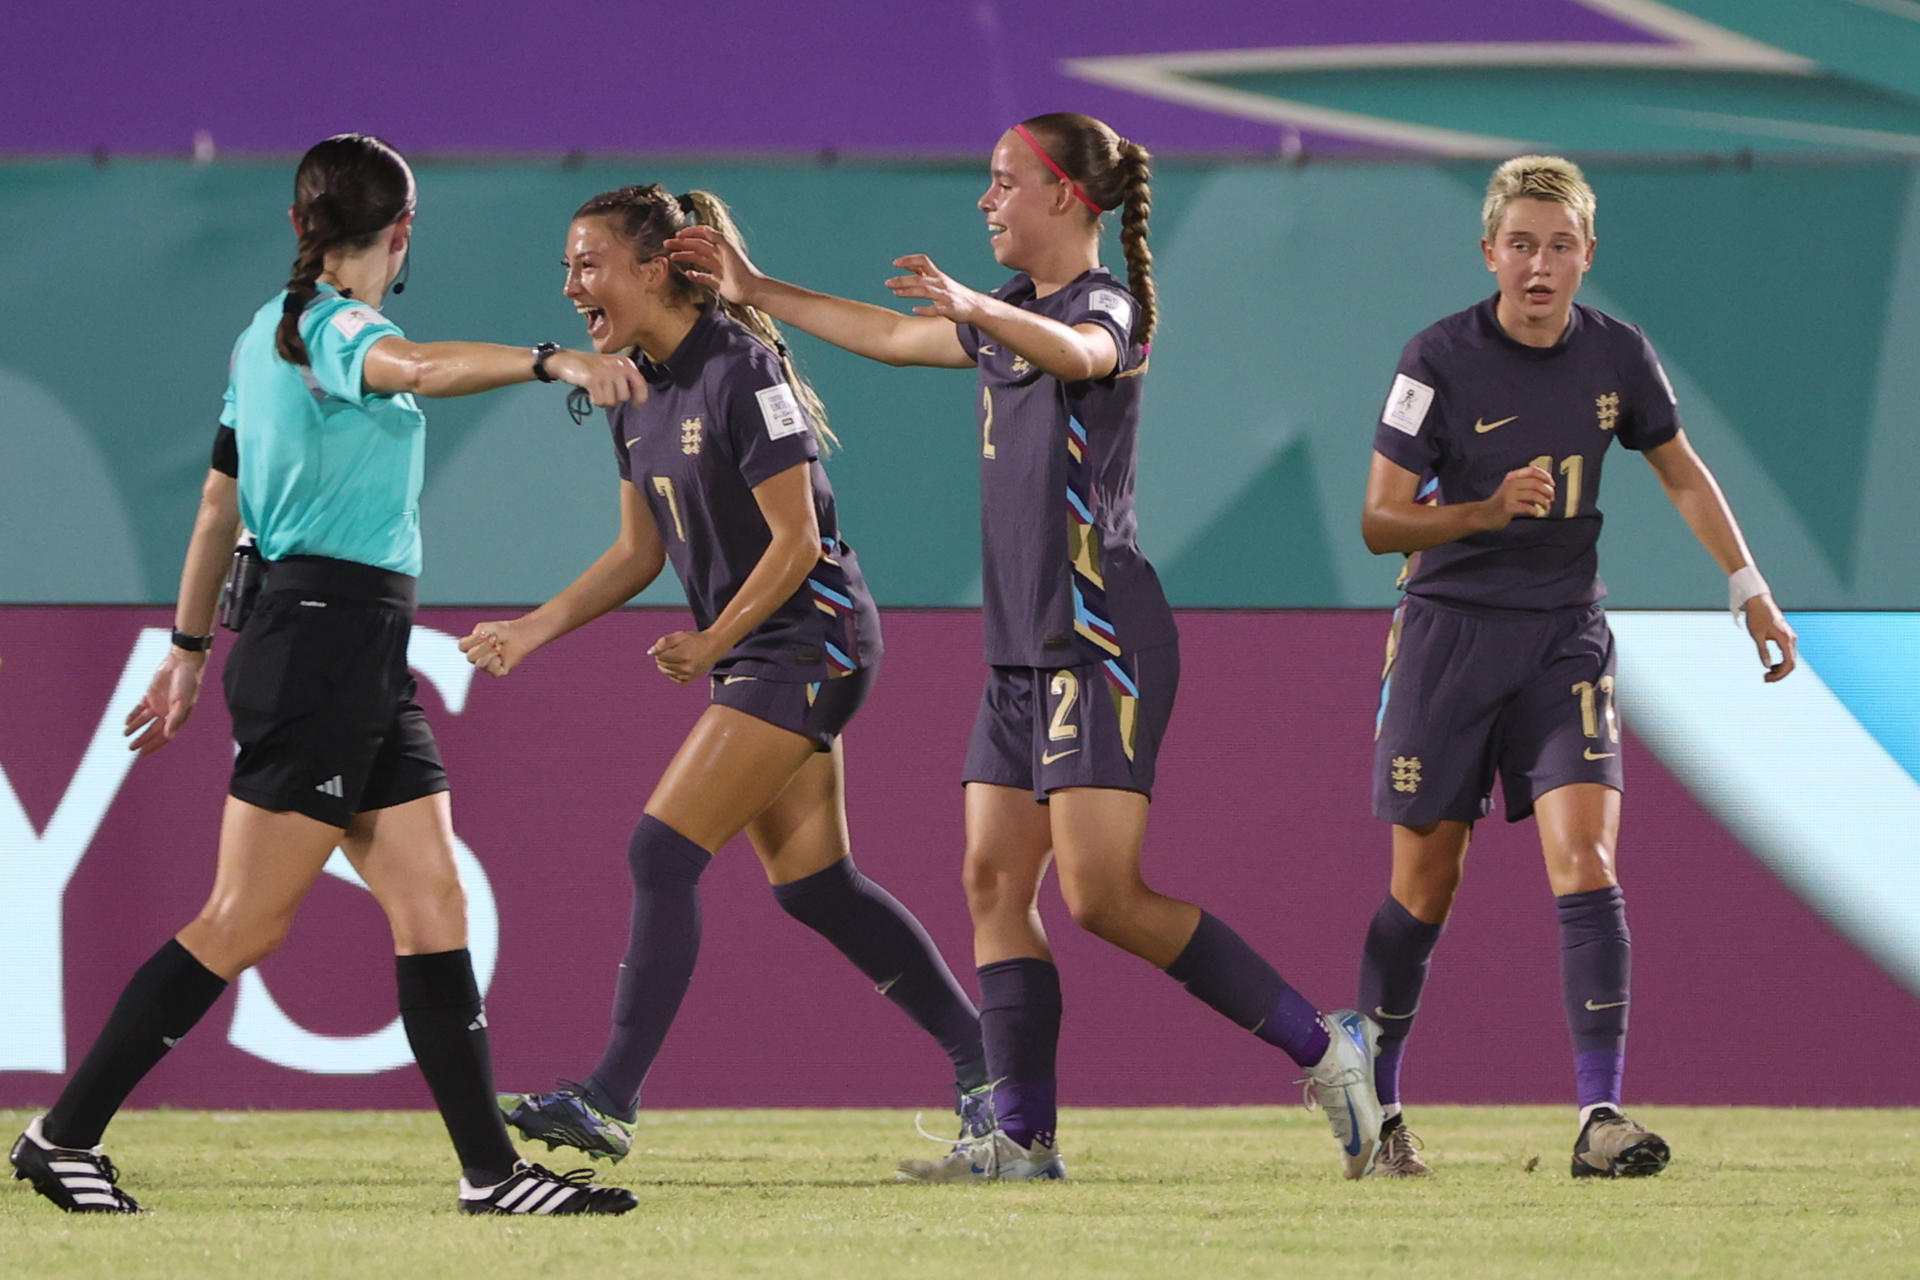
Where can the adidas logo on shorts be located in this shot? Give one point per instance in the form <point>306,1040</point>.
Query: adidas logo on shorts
<point>332,787</point>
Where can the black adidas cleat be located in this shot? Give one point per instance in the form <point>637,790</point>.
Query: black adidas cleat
<point>1612,1146</point>
<point>536,1189</point>
<point>79,1181</point>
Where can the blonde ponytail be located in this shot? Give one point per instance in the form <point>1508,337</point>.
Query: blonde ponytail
<point>709,210</point>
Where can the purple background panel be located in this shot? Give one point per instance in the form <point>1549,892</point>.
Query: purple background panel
<point>601,75</point>
<point>1261,815</point>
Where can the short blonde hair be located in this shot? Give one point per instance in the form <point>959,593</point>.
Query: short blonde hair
<point>1550,178</point>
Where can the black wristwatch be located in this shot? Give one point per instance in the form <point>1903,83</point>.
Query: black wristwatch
<point>192,643</point>
<point>540,354</point>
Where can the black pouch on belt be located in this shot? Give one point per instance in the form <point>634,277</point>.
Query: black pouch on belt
<point>242,586</point>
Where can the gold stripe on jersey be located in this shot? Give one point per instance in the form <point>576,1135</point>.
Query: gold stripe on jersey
<point>1127,708</point>
<point>1083,549</point>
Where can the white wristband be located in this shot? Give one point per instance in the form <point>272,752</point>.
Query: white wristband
<point>1743,584</point>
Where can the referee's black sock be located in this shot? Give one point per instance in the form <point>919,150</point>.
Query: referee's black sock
<point>447,1027</point>
<point>165,997</point>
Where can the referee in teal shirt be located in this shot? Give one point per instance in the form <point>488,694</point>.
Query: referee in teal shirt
<point>334,748</point>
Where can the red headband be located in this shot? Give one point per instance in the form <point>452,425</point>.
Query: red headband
<point>1058,172</point>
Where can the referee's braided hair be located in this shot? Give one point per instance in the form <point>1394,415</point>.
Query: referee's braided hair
<point>645,217</point>
<point>1116,174</point>
<point>347,190</point>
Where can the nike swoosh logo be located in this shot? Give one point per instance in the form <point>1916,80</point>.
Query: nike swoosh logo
<point>988,349</point>
<point>1591,754</point>
<point>1352,1146</point>
<point>633,442</point>
<point>1595,1008</point>
<point>1484,427</point>
<point>1378,1012</point>
<point>1049,757</point>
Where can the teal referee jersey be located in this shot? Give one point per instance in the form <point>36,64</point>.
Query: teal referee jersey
<point>327,468</point>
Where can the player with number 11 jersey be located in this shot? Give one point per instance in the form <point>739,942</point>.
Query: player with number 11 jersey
<point>1486,471</point>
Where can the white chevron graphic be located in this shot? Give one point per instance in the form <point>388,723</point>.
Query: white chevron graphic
<point>1695,45</point>
<point>1787,769</point>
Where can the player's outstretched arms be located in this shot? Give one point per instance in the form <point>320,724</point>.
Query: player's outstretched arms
<point>1079,353</point>
<point>623,570</point>
<point>877,333</point>
<point>442,369</point>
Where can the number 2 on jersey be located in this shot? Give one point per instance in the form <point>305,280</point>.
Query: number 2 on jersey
<point>1571,467</point>
<point>663,485</point>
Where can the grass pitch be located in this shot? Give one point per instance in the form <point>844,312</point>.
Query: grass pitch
<point>1158,1193</point>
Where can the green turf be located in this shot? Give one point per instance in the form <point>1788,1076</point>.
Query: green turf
<point>1160,1193</point>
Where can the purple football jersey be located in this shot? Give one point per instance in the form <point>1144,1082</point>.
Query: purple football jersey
<point>1063,581</point>
<point>1469,404</point>
<point>719,419</point>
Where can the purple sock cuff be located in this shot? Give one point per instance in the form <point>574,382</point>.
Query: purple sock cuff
<point>658,856</point>
<point>834,881</point>
<point>1027,1111</point>
<point>1598,1076</point>
<point>1593,915</point>
<point>1019,983</point>
<point>1296,1029</point>
<point>1404,926</point>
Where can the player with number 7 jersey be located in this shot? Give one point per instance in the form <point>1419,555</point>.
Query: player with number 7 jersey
<point>1486,473</point>
<point>719,472</point>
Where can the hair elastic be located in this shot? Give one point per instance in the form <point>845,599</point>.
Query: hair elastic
<point>1058,172</point>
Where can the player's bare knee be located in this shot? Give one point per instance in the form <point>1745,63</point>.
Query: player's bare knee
<point>1104,911</point>
<point>1429,902</point>
<point>431,919</point>
<point>1581,867</point>
<point>992,888</point>
<point>227,941</point>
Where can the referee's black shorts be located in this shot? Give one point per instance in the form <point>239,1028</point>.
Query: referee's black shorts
<point>322,701</point>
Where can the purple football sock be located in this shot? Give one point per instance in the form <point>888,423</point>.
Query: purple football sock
<point>664,941</point>
<point>1393,971</point>
<point>1596,960</point>
<point>1230,977</point>
<point>886,943</point>
<point>1020,1023</point>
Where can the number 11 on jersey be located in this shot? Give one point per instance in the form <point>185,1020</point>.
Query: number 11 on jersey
<point>1570,467</point>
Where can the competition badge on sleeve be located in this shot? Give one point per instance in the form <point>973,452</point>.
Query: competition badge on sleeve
<point>1407,404</point>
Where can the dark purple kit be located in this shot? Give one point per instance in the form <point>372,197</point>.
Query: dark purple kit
<point>1063,581</point>
<point>1501,660</point>
<point>1470,404</point>
<point>719,420</point>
